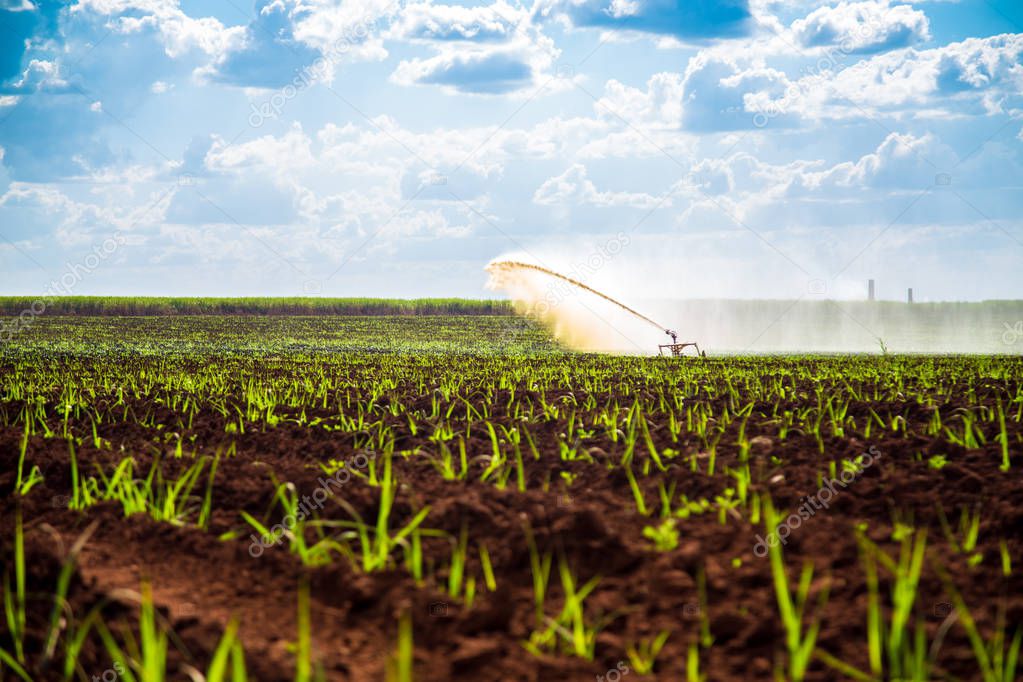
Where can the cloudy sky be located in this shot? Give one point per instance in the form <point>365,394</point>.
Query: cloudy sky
<point>738,148</point>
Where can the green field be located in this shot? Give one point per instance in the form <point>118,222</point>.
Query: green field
<point>280,335</point>
<point>719,326</point>
<point>510,509</point>
<point>181,305</point>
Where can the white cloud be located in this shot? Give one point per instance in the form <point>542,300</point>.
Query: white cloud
<point>427,22</point>
<point>342,32</point>
<point>659,105</point>
<point>329,25</point>
<point>720,92</point>
<point>17,6</point>
<point>80,222</point>
<point>178,31</point>
<point>481,72</point>
<point>716,92</point>
<point>575,188</point>
<point>901,160</point>
<point>487,50</point>
<point>285,34</point>
<point>291,151</point>
<point>41,74</point>
<point>977,75</point>
<point>383,146</point>
<point>872,26</point>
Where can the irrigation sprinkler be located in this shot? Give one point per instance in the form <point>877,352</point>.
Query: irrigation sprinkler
<point>673,349</point>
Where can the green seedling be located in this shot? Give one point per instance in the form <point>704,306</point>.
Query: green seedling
<point>799,642</point>
<point>15,598</point>
<point>998,657</point>
<point>664,536</point>
<point>570,628</point>
<point>643,655</point>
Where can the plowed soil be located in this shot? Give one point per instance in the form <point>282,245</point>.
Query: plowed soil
<point>201,581</point>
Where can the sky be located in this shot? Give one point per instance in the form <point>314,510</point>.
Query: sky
<point>687,149</point>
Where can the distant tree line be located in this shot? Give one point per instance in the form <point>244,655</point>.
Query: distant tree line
<point>180,305</point>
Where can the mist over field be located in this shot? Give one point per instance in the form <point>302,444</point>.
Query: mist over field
<point>584,320</point>
<point>847,326</point>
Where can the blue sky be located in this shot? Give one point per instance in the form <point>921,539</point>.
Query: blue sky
<point>745,148</point>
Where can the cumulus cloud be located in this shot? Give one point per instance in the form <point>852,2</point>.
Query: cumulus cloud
<point>23,23</point>
<point>477,72</point>
<point>334,187</point>
<point>488,50</point>
<point>289,36</point>
<point>901,160</point>
<point>863,27</point>
<point>178,31</point>
<point>76,221</point>
<point>805,192</point>
<point>41,75</point>
<point>291,150</point>
<point>660,104</point>
<point>573,187</point>
<point>977,75</point>
<point>283,37</point>
<point>716,93</point>
<point>426,21</point>
<point>268,53</point>
<point>719,92</point>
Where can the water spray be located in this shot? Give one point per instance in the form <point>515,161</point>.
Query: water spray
<point>674,348</point>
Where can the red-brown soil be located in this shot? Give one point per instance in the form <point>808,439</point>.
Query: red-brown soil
<point>200,582</point>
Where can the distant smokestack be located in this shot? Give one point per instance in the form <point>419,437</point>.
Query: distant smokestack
<point>870,290</point>
<point>909,295</point>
